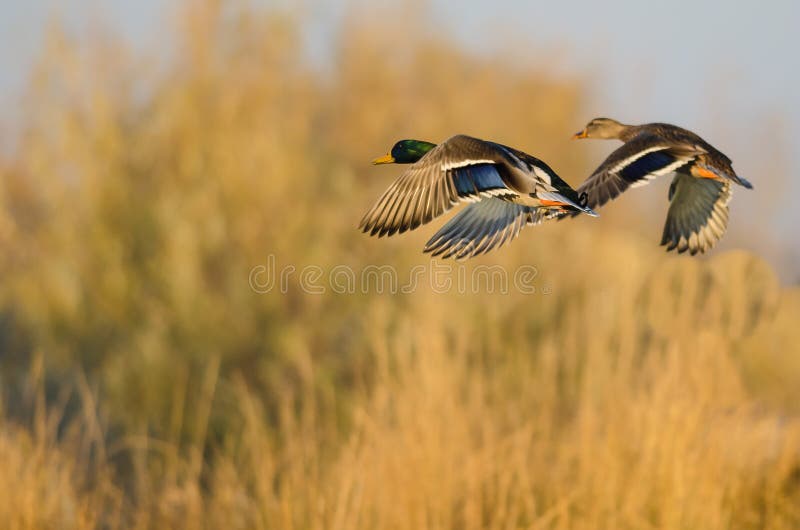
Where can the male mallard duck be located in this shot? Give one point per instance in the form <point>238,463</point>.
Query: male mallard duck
<point>699,193</point>
<point>508,188</point>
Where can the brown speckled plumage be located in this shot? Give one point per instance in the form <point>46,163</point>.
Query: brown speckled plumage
<point>700,190</point>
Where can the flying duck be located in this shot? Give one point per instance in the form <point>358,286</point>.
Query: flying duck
<point>699,193</point>
<point>508,190</point>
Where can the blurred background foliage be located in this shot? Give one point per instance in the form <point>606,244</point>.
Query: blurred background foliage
<point>145,384</point>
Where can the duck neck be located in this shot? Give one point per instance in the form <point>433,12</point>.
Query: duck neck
<point>625,132</point>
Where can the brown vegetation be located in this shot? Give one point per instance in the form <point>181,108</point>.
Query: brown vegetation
<point>145,384</point>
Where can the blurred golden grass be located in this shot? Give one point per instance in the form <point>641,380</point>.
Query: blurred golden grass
<point>145,384</point>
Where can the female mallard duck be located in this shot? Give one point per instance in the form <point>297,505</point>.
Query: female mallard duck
<point>699,193</point>
<point>509,189</point>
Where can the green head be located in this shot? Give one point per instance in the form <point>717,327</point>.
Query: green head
<point>405,152</point>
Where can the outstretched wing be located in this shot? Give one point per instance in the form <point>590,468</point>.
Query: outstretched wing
<point>634,164</point>
<point>482,226</point>
<point>698,213</point>
<point>461,168</point>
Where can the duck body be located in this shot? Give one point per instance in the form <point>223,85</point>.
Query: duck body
<point>701,186</point>
<point>508,189</point>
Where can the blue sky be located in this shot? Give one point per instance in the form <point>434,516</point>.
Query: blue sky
<point>729,70</point>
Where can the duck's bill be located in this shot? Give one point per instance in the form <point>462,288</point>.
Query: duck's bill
<point>580,134</point>
<point>385,159</point>
<point>553,199</point>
